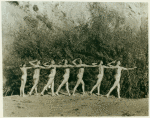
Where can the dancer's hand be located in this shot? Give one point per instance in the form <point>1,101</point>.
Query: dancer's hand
<point>94,64</point>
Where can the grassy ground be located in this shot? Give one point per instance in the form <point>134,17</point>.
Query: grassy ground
<point>63,105</point>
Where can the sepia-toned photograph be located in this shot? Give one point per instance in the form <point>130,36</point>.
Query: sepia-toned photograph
<point>74,59</point>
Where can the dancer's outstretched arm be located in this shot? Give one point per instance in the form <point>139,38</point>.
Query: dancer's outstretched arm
<point>36,66</point>
<point>110,66</point>
<point>128,68</point>
<point>42,67</point>
<point>28,67</point>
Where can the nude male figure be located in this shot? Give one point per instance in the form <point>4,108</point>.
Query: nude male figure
<point>35,75</point>
<point>66,78</point>
<point>117,77</point>
<point>79,76</point>
<point>23,78</point>
<point>51,76</point>
<point>100,77</point>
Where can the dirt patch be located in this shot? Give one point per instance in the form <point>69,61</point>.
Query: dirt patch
<point>63,105</point>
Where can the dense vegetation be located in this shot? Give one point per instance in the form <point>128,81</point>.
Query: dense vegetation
<point>91,43</point>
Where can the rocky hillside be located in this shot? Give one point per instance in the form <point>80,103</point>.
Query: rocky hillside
<point>69,14</point>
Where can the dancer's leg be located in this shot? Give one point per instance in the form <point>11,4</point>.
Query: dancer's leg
<point>67,88</point>
<point>34,86</point>
<point>113,87</point>
<point>63,82</point>
<point>48,83</point>
<point>24,85</point>
<point>78,82</point>
<point>93,89</point>
<point>118,90</point>
<point>21,87</point>
<point>82,82</point>
<point>52,89</point>
<point>98,89</point>
<point>97,84</point>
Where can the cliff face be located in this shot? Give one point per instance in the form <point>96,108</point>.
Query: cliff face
<point>66,15</point>
<point>133,13</point>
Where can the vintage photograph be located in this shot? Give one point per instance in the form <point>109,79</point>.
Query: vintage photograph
<point>73,59</point>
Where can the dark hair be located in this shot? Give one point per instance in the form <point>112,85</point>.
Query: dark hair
<point>117,62</point>
<point>22,65</point>
<point>51,61</point>
<point>100,61</point>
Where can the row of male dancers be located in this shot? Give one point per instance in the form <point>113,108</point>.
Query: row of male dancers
<point>50,84</point>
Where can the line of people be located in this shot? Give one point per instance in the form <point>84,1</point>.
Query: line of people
<point>50,84</point>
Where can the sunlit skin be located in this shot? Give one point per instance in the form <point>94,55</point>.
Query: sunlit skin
<point>23,78</point>
<point>65,80</point>
<point>79,77</point>
<point>51,76</point>
<point>100,77</point>
<point>117,77</point>
<point>35,75</point>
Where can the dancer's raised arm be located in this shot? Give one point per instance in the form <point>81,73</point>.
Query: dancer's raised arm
<point>78,65</point>
<point>111,63</point>
<point>45,64</point>
<point>32,62</point>
<point>74,61</point>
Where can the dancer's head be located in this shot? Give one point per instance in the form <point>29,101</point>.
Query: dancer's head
<point>118,63</point>
<point>52,61</point>
<point>23,65</point>
<point>101,62</point>
<point>38,62</point>
<point>80,62</point>
<point>65,61</point>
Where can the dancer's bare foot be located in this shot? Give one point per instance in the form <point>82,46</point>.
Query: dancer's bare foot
<point>53,94</point>
<point>98,94</point>
<point>90,93</point>
<point>84,94</point>
<point>42,94</point>
<point>69,94</point>
<point>107,96</point>
<point>29,94</point>
<point>73,94</point>
<point>57,94</point>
